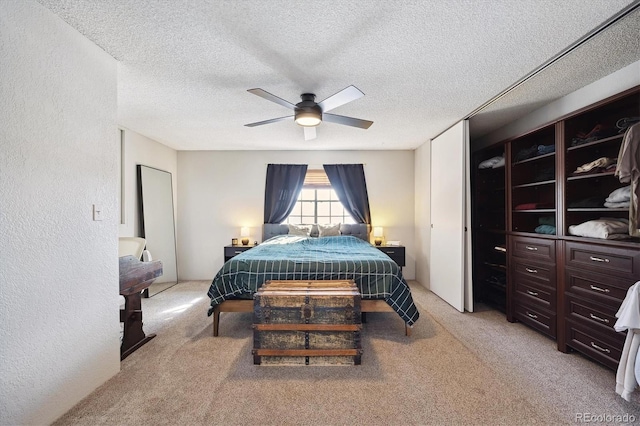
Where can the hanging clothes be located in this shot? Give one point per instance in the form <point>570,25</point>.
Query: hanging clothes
<point>628,319</point>
<point>628,171</point>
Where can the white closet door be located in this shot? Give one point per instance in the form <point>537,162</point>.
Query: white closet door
<point>448,215</point>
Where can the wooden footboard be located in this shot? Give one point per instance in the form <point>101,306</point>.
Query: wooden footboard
<point>246,305</point>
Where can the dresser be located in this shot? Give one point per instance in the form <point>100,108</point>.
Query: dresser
<point>596,280</point>
<point>533,283</point>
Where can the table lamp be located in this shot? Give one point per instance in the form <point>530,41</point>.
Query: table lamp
<point>244,233</point>
<point>378,233</point>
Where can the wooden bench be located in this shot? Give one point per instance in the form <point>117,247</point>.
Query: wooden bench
<point>246,305</point>
<point>135,276</point>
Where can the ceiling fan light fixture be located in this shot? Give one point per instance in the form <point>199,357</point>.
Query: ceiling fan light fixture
<point>308,116</point>
<point>307,119</point>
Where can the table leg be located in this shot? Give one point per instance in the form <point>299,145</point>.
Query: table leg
<point>134,336</point>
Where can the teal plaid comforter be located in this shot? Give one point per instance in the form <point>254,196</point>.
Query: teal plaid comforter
<point>288,257</point>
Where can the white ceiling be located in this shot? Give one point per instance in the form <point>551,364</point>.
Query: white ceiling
<point>185,66</point>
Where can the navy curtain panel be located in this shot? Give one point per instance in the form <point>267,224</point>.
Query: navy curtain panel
<point>284,182</point>
<point>348,181</point>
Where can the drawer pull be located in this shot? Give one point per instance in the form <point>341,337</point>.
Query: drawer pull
<point>530,315</point>
<point>237,252</point>
<point>531,248</point>
<point>600,348</point>
<point>531,271</point>
<point>597,318</point>
<point>533,293</point>
<point>390,252</point>
<point>600,289</point>
<point>599,259</point>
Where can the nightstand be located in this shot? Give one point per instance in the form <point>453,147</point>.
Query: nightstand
<point>231,251</point>
<point>396,253</point>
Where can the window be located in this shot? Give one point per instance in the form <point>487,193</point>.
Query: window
<point>318,202</point>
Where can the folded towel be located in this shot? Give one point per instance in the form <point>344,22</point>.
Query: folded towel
<point>545,229</point>
<point>620,205</point>
<point>500,163</point>
<point>487,164</point>
<point>604,228</point>
<point>600,162</point>
<point>620,195</point>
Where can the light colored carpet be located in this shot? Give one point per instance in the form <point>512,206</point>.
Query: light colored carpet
<point>455,369</point>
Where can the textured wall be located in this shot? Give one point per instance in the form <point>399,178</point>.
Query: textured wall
<point>59,329</point>
<point>220,191</point>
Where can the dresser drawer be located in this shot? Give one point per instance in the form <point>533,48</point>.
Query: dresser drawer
<point>595,316</point>
<point>534,293</point>
<point>604,259</point>
<point>592,344</point>
<point>232,251</point>
<point>534,248</point>
<point>604,289</point>
<point>540,319</point>
<point>396,253</point>
<point>534,271</point>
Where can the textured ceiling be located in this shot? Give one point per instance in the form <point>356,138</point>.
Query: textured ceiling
<point>185,66</point>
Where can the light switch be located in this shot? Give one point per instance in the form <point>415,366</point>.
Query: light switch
<point>97,212</point>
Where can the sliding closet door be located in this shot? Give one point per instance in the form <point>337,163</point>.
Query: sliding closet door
<point>448,215</point>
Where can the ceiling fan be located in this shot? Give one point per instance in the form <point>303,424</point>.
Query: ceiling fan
<point>308,113</point>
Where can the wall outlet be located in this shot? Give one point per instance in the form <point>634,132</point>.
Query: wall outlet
<point>97,212</point>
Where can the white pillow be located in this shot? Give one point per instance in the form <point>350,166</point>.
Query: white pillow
<point>331,230</point>
<point>300,230</point>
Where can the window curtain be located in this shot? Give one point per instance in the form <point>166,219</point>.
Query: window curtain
<point>284,182</point>
<point>350,186</point>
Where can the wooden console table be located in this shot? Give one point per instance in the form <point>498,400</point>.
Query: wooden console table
<point>135,276</point>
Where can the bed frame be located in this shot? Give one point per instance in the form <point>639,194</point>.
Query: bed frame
<point>360,230</point>
<point>246,305</point>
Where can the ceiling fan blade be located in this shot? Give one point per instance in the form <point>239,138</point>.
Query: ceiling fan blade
<point>344,96</point>
<point>309,133</point>
<point>273,120</point>
<point>347,121</point>
<point>273,98</point>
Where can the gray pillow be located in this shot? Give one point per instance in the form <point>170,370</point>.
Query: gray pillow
<point>331,230</point>
<point>299,230</point>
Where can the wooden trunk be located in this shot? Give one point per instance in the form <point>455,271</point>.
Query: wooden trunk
<point>307,323</point>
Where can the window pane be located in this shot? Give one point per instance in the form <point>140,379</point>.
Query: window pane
<point>324,194</point>
<point>308,209</point>
<point>333,195</point>
<point>295,220</point>
<point>325,220</point>
<point>348,219</point>
<point>307,194</point>
<point>337,209</point>
<point>297,210</point>
<point>324,208</point>
<point>308,220</point>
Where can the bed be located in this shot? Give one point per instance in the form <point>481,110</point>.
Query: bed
<point>286,257</point>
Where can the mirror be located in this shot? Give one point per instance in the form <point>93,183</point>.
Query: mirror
<point>157,225</point>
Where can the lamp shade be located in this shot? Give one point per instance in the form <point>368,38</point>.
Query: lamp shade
<point>378,231</point>
<point>244,231</point>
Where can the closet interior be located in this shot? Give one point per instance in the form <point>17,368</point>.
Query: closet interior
<point>539,204</point>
